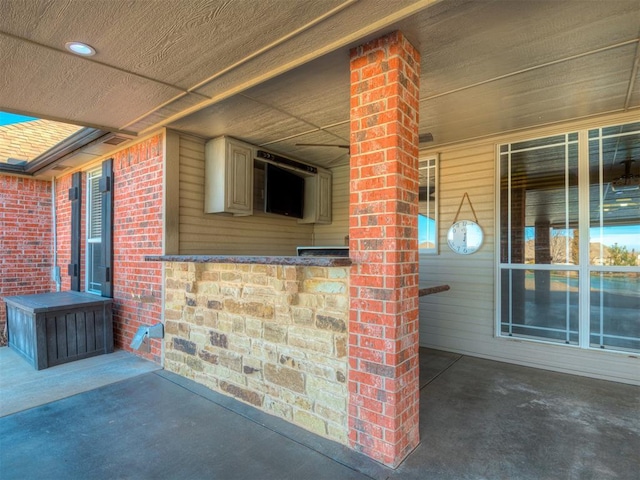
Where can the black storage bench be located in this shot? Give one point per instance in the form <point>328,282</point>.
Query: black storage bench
<point>53,328</point>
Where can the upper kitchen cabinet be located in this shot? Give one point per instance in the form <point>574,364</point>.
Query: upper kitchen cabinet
<point>229,177</point>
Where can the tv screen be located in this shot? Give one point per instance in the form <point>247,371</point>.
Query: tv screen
<point>283,192</point>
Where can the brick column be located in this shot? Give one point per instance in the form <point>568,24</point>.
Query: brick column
<point>383,232</point>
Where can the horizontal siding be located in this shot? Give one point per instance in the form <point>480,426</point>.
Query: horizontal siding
<point>465,312</point>
<point>462,319</point>
<point>223,234</point>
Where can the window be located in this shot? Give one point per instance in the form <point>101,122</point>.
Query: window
<point>94,232</point>
<point>428,206</point>
<point>569,221</point>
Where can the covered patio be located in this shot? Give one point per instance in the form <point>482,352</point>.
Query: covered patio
<point>393,115</point>
<point>478,419</point>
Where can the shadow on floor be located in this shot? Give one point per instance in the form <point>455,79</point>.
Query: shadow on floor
<point>479,420</point>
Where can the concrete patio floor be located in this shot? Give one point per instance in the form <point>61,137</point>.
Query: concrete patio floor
<point>479,420</point>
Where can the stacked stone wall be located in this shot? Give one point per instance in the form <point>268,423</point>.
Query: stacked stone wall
<point>274,337</point>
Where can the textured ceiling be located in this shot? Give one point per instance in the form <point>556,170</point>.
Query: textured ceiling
<point>275,72</point>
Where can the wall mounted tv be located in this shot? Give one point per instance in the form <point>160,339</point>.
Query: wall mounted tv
<point>283,192</point>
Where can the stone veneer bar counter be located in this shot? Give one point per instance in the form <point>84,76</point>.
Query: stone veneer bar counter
<point>269,331</point>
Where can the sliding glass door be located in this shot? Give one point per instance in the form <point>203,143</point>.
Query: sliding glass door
<point>614,237</point>
<point>569,216</point>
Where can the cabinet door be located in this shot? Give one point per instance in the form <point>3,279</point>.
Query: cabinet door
<point>317,198</point>
<point>324,197</point>
<point>239,179</point>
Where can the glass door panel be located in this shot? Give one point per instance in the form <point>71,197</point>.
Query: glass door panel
<point>540,304</point>
<point>615,310</point>
<point>614,237</point>
<point>539,216</point>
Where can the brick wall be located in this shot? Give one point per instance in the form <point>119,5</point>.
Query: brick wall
<point>137,285</point>
<point>25,239</point>
<point>383,322</point>
<point>272,336</point>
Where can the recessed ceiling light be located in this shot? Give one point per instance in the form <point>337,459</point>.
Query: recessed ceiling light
<point>80,48</point>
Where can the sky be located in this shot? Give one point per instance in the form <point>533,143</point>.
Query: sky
<point>628,236</point>
<point>10,118</point>
<point>624,235</point>
<point>426,229</point>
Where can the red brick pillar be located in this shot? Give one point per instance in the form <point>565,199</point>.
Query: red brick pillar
<point>383,233</point>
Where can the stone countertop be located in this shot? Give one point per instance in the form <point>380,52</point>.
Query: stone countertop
<point>277,260</point>
<point>255,260</point>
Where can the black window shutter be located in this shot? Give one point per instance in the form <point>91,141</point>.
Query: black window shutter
<point>106,254</point>
<point>75,196</point>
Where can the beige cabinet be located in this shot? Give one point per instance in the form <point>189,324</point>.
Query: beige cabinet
<point>317,198</point>
<point>228,177</point>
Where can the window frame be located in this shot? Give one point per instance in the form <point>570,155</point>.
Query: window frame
<point>93,178</point>
<point>435,158</point>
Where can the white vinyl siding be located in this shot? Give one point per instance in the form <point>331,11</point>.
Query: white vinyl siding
<point>447,321</point>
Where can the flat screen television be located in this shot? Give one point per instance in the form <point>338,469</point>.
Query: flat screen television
<point>283,192</point>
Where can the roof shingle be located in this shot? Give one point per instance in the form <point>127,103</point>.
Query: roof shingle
<point>28,140</point>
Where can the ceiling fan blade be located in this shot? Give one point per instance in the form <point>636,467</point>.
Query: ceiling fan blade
<point>321,145</point>
<point>335,145</point>
<point>426,192</point>
<point>425,137</point>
